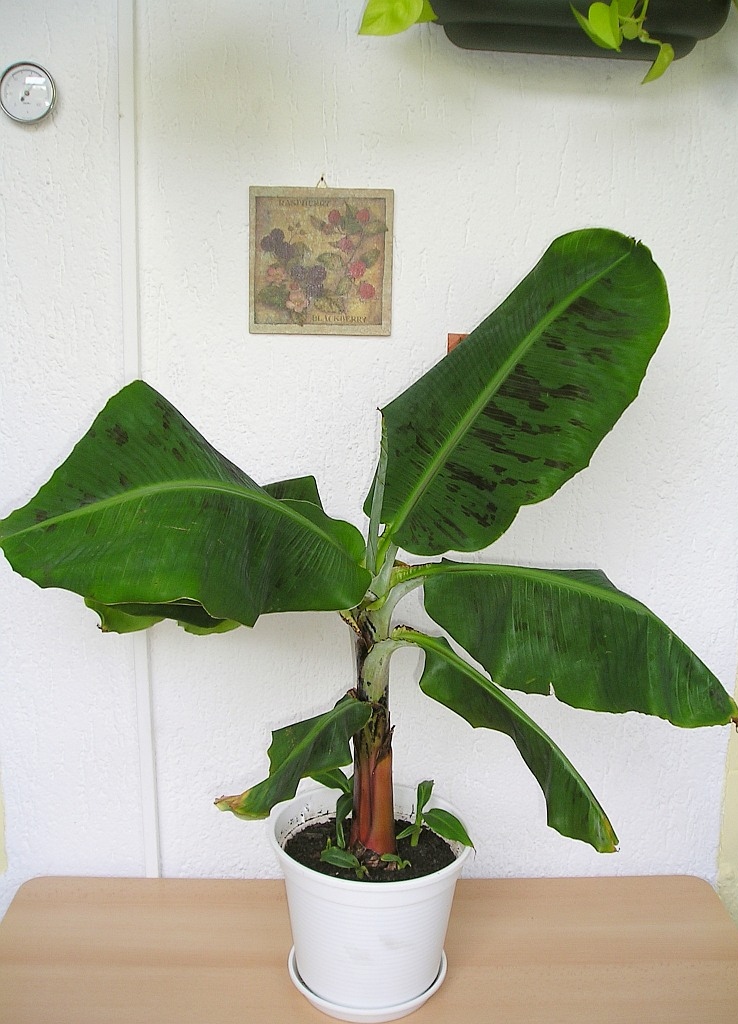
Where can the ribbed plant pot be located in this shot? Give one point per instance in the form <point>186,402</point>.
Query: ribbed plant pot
<point>363,951</point>
<point>548,26</point>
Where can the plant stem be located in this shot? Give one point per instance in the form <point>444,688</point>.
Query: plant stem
<point>373,817</point>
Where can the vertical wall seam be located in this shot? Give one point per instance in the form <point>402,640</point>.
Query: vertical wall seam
<point>128,159</point>
<point>727,875</point>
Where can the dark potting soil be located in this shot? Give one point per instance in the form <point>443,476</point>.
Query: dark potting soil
<point>431,854</point>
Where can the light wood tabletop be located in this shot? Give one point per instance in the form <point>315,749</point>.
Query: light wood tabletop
<point>650,950</point>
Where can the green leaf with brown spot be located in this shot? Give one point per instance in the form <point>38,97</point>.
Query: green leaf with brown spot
<point>145,515</point>
<point>515,411</point>
<point>574,633</point>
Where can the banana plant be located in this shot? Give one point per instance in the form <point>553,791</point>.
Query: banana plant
<point>147,521</point>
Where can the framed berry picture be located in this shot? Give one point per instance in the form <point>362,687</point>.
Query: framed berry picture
<point>321,261</point>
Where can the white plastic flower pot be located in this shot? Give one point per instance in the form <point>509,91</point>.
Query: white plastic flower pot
<point>363,951</point>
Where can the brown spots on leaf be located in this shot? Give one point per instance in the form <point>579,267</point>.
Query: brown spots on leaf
<point>40,515</point>
<point>605,354</point>
<point>118,435</point>
<point>522,386</point>
<point>590,310</point>
<point>538,429</point>
<point>123,480</point>
<point>485,517</point>
<point>468,476</point>
<point>178,454</point>
<point>166,411</point>
<point>572,392</point>
<point>502,416</point>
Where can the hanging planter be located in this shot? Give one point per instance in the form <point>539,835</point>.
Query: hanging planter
<point>618,29</point>
<point>548,26</point>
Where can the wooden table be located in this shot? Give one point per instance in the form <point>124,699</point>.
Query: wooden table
<point>655,950</point>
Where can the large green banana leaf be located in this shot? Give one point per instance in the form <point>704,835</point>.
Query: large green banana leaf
<point>572,808</point>
<point>317,745</point>
<point>145,512</point>
<point>575,633</point>
<point>517,409</point>
<point>130,618</point>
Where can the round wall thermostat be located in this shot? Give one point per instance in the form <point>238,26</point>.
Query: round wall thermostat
<point>27,92</point>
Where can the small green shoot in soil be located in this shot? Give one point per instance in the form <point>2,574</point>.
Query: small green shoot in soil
<point>443,823</point>
<point>395,858</point>
<point>335,779</point>
<point>343,859</point>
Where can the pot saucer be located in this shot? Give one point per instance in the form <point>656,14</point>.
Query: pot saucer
<point>375,1015</point>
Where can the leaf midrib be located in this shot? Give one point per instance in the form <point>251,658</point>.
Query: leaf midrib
<point>546,577</point>
<point>465,424</point>
<point>220,487</point>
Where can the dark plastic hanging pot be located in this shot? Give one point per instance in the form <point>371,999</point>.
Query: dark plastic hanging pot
<point>548,26</point>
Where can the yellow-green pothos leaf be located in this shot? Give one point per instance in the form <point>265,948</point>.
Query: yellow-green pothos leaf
<point>427,13</point>
<point>663,60</point>
<point>520,406</point>
<point>598,25</point>
<point>388,17</point>
<point>626,8</point>
<point>574,633</point>
<point>146,512</point>
<point>308,748</point>
<point>572,808</point>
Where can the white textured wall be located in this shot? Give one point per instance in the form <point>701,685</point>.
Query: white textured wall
<point>68,752</point>
<point>490,156</point>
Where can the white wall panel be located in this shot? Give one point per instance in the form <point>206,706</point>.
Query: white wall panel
<point>67,727</point>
